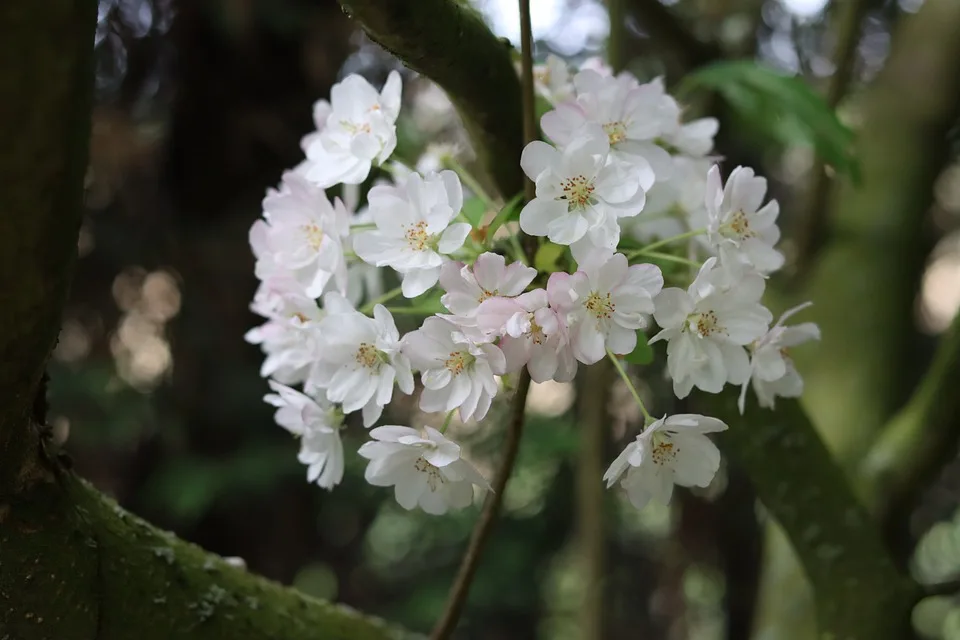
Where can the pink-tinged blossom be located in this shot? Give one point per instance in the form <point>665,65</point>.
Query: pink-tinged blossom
<point>531,333</point>
<point>425,469</point>
<point>771,368</point>
<point>466,287</point>
<point>707,327</point>
<point>359,360</point>
<point>741,231</point>
<point>456,370</point>
<point>605,306</point>
<point>354,130</point>
<point>317,424</point>
<point>414,230</point>
<point>674,450</point>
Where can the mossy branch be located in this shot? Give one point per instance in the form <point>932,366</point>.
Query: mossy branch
<point>859,592</point>
<point>448,42</point>
<point>76,566</point>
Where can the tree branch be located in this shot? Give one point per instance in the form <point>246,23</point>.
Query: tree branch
<point>917,443</point>
<point>448,42</point>
<point>859,592</point>
<point>488,517</point>
<point>76,566</point>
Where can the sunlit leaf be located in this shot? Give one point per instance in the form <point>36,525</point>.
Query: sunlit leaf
<point>510,211</point>
<point>547,257</point>
<point>473,210</point>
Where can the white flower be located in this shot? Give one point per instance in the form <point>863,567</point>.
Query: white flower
<point>695,138</point>
<point>771,367</point>
<point>605,306</point>
<point>317,423</point>
<point>672,450</point>
<point>740,230</point>
<point>425,469</point>
<point>707,326</point>
<point>413,228</point>
<point>354,129</point>
<point>490,276</point>
<point>532,335</point>
<point>674,206</point>
<point>457,372</point>
<point>302,235</point>
<point>359,360</point>
<point>580,197</point>
<point>634,117</point>
<point>552,80</point>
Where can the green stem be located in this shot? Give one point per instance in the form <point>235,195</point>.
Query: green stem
<point>669,257</point>
<point>633,390</point>
<point>677,238</point>
<point>386,297</point>
<point>446,421</point>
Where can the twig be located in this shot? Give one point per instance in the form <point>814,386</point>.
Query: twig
<point>488,517</point>
<point>812,226</point>
<point>592,415</point>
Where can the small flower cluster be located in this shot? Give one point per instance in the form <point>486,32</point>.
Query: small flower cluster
<point>621,169</point>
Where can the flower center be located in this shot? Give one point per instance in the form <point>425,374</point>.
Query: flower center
<point>705,324</point>
<point>577,191</point>
<point>616,132</point>
<point>314,235</point>
<point>600,305</point>
<point>536,332</point>
<point>458,361</point>
<point>738,227</point>
<point>353,128</point>
<point>417,237</point>
<point>434,477</point>
<point>367,355</point>
<point>663,451</point>
<point>484,294</point>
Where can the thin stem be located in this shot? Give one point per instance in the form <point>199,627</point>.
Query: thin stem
<point>518,249</point>
<point>491,508</point>
<point>633,390</point>
<point>411,311</point>
<point>446,421</point>
<point>389,295</point>
<point>362,226</point>
<point>677,238</point>
<point>472,183</point>
<point>668,257</point>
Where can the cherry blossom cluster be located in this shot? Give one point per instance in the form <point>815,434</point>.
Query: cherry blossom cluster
<point>622,185</point>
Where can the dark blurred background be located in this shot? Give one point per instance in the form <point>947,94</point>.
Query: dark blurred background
<point>201,106</point>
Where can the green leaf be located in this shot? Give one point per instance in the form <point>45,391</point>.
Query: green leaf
<point>510,211</point>
<point>473,210</point>
<point>643,353</point>
<point>781,107</point>
<point>547,257</point>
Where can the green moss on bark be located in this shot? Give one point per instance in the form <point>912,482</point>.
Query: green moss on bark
<point>76,566</point>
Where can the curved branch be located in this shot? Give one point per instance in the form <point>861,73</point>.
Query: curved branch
<point>448,42</point>
<point>859,592</point>
<point>917,443</point>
